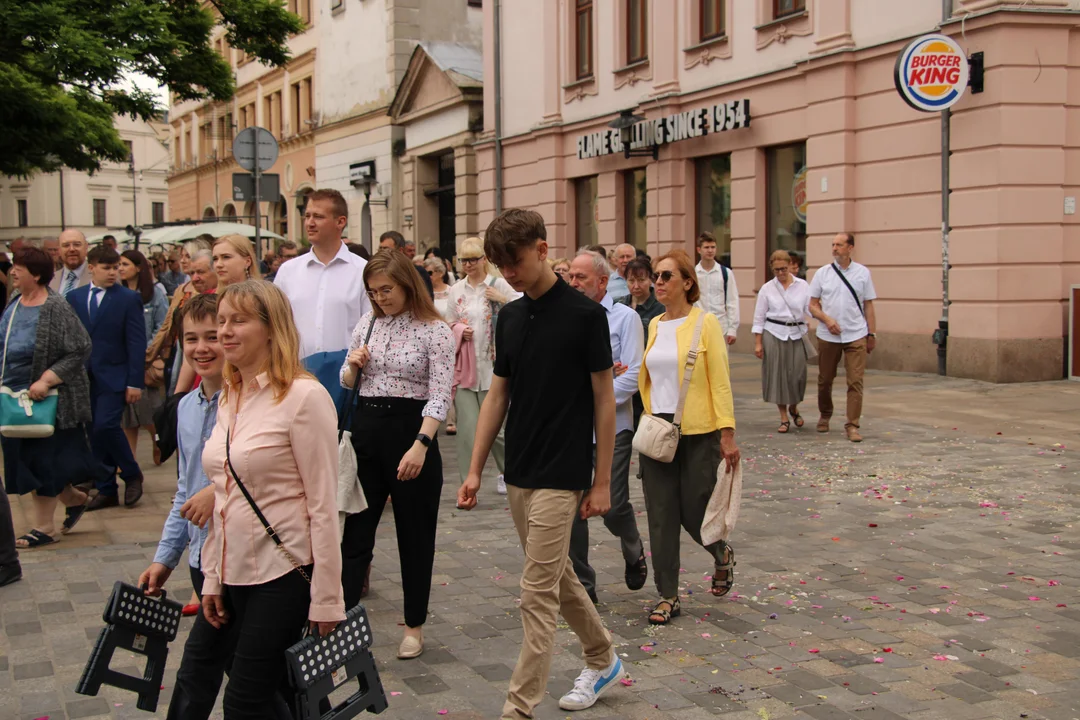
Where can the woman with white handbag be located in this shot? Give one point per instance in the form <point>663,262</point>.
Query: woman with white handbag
<point>781,340</point>
<point>687,426</point>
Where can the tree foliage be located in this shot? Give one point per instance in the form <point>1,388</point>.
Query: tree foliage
<point>62,64</point>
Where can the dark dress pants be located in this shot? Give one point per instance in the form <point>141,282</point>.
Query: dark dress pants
<point>110,445</point>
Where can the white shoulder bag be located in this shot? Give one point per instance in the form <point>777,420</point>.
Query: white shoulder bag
<point>657,438</point>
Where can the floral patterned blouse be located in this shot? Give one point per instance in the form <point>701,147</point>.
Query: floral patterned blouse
<point>409,359</point>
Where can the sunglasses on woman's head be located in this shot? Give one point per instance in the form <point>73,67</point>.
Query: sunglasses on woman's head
<point>665,275</point>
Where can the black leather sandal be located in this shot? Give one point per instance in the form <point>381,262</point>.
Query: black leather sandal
<point>723,578</point>
<point>785,426</point>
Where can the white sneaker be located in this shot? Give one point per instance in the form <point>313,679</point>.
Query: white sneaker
<point>589,685</point>
<point>500,485</point>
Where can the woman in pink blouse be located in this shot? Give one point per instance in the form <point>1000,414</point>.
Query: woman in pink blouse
<point>406,372</point>
<point>276,431</point>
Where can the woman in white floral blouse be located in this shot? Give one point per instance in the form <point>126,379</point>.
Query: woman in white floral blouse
<point>475,301</point>
<point>406,373</point>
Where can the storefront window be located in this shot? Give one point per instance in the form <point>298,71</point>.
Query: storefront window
<point>635,188</point>
<point>585,201</point>
<point>714,202</point>
<point>786,177</point>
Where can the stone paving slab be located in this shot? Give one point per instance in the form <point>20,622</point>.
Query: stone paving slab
<point>928,573</point>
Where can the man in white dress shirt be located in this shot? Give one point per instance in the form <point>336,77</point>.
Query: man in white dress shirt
<point>326,289</point>
<point>73,249</point>
<point>719,294</point>
<point>588,275</point>
<point>842,298</point>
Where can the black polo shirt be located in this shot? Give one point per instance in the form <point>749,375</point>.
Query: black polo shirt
<point>548,349</point>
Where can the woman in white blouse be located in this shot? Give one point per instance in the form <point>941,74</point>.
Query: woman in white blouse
<point>780,321</point>
<point>406,372</point>
<point>475,301</point>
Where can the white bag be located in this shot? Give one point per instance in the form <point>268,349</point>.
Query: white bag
<point>350,496</point>
<point>723,508</point>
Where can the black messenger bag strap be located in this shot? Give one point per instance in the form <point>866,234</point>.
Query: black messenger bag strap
<point>851,289</point>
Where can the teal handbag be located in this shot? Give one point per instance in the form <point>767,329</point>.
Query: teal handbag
<point>21,417</point>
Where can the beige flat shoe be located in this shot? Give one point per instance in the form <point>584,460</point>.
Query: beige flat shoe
<point>410,647</point>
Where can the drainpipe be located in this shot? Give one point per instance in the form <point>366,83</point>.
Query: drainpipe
<point>498,110</point>
<point>941,337</point>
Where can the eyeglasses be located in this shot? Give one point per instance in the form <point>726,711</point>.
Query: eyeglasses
<point>780,270</point>
<point>470,260</point>
<point>383,292</point>
<point>665,276</point>
<point>432,273</point>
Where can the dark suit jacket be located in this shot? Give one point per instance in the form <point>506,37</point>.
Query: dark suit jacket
<point>118,358</point>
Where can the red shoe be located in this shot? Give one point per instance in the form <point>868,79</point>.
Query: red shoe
<point>190,610</point>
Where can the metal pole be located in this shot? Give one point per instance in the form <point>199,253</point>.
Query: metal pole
<point>63,217</point>
<point>258,201</point>
<point>498,109</point>
<point>946,131</point>
<point>134,199</point>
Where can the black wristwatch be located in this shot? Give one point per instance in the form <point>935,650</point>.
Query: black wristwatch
<point>424,440</point>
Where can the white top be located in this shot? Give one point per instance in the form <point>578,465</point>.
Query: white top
<point>712,297</point>
<point>442,304</point>
<point>665,368</point>
<point>469,305</point>
<point>327,300</point>
<point>790,305</point>
<point>837,302</point>
<point>627,347</point>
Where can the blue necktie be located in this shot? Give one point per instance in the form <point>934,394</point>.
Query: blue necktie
<point>69,284</point>
<point>94,302</point>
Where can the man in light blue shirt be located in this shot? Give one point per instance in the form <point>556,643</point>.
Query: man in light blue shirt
<point>588,275</point>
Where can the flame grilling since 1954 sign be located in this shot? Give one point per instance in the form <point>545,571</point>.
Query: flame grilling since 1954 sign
<point>932,73</point>
<point>722,117</point>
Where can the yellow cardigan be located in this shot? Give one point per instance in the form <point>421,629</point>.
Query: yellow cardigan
<point>709,405</point>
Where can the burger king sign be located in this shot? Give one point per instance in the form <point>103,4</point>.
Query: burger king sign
<point>932,73</point>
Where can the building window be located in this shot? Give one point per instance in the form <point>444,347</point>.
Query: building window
<point>476,3</point>
<point>157,213</point>
<point>785,169</point>
<point>712,19</point>
<point>583,29</point>
<point>783,8</point>
<point>297,126</point>
<point>24,213</point>
<point>635,191</point>
<point>100,219</point>
<point>585,191</point>
<point>714,202</point>
<point>637,34</point>
<point>130,150</point>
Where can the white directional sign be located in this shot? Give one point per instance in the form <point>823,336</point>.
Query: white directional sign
<point>255,145</point>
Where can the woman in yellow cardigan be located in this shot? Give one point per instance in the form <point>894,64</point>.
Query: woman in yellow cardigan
<point>677,493</point>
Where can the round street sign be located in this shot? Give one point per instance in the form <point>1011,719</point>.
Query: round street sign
<point>255,145</point>
<point>931,73</point>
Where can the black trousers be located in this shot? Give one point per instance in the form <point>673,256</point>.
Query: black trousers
<point>267,619</point>
<point>208,655</point>
<point>8,554</point>
<point>383,430</point>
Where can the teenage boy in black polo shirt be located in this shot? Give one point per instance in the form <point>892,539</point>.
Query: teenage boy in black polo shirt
<point>553,370</point>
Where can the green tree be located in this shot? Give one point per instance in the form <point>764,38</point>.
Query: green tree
<point>62,63</point>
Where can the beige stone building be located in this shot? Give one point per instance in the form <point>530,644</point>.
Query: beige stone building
<point>330,110</point>
<point>45,204</point>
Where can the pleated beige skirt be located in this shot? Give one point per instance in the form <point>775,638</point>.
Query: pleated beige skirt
<point>783,370</point>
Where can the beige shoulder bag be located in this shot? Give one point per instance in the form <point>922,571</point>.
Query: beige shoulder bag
<point>657,438</point>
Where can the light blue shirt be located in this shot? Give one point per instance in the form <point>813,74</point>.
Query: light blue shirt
<point>628,348</point>
<point>616,287</point>
<point>195,420</point>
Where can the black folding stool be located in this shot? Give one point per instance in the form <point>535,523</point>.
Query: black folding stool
<point>138,623</point>
<point>319,665</point>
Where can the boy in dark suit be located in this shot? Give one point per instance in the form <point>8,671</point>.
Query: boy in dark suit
<point>113,315</point>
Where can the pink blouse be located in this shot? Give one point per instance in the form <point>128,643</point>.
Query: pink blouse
<point>286,455</point>
<point>409,359</point>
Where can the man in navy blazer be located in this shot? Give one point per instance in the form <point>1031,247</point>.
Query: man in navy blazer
<point>113,315</point>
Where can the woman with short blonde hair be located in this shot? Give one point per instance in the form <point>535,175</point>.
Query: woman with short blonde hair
<point>561,266</point>
<point>234,260</point>
<point>780,321</point>
<point>275,435</point>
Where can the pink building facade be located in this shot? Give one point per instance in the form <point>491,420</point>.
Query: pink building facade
<point>783,127</point>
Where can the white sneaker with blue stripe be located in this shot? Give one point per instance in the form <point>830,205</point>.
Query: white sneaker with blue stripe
<point>589,685</point>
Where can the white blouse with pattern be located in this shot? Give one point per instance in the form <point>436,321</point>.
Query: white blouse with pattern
<point>409,359</point>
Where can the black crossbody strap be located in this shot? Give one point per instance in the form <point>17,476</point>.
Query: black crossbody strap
<point>853,294</point>
<point>346,412</point>
<point>258,513</point>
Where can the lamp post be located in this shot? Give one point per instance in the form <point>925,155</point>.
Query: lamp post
<point>625,123</point>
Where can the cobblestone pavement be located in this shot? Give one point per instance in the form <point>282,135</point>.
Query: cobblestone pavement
<point>927,573</point>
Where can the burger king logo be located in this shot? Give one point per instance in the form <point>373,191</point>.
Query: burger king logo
<point>932,73</point>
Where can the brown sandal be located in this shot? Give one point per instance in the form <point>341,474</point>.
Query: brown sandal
<point>723,578</point>
<point>785,426</point>
<point>664,611</point>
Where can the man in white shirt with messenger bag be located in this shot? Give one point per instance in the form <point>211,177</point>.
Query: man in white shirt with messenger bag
<point>842,298</point>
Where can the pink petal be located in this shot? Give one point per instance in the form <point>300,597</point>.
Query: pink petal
<point>940,657</point>
<point>627,682</point>
<point>443,712</point>
<point>879,659</point>
<point>1034,597</point>
<point>813,650</point>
